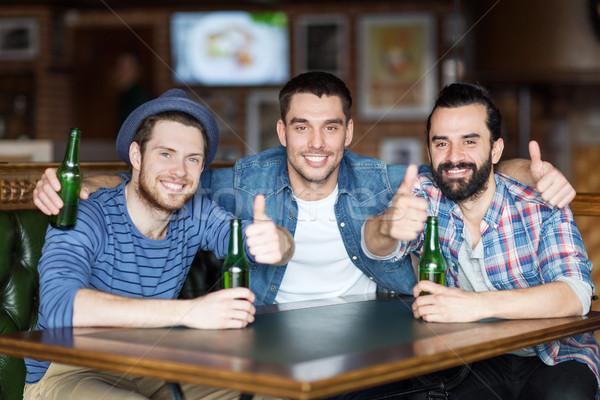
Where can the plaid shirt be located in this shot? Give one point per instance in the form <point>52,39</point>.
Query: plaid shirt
<point>526,243</point>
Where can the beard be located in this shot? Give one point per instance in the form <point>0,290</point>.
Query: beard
<point>463,189</point>
<point>148,192</point>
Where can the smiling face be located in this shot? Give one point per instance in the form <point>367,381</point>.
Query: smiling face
<point>169,169</point>
<point>315,133</point>
<point>461,153</point>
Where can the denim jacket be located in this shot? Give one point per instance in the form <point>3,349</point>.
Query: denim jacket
<point>365,186</point>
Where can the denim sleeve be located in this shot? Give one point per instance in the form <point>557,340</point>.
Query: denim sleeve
<point>217,185</point>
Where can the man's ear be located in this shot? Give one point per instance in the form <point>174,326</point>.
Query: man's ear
<point>349,133</point>
<point>497,149</point>
<point>281,132</point>
<point>135,155</point>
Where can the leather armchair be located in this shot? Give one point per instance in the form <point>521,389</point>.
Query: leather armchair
<point>22,236</point>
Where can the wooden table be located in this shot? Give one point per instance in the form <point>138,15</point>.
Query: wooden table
<point>301,351</point>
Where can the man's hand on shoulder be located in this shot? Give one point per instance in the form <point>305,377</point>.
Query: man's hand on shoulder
<point>550,182</point>
<point>45,194</point>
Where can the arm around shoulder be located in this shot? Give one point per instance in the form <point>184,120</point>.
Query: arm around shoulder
<point>94,182</point>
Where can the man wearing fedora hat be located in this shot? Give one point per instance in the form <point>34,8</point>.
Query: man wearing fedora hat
<point>126,259</point>
<point>319,191</point>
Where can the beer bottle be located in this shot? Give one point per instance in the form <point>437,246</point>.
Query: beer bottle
<point>236,270</point>
<point>431,265</point>
<point>69,176</point>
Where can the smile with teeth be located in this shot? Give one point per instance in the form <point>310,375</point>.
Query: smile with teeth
<point>315,159</point>
<point>173,185</point>
<point>457,172</point>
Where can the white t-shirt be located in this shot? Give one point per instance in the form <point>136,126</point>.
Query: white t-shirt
<point>320,267</point>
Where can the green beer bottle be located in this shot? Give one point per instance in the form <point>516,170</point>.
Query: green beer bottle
<point>236,270</point>
<point>69,176</point>
<point>431,265</point>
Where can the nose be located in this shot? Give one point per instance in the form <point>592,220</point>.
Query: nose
<point>455,154</point>
<point>178,168</point>
<point>316,140</point>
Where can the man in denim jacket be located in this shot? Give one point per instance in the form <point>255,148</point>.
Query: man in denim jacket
<point>365,186</point>
<point>322,193</point>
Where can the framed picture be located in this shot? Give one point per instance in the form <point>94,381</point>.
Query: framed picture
<point>19,38</point>
<point>262,114</point>
<point>321,43</point>
<point>397,77</point>
<point>403,151</point>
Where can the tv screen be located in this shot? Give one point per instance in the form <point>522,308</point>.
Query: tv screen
<point>230,48</point>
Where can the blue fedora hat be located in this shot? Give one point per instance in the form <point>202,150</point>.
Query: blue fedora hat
<point>171,100</point>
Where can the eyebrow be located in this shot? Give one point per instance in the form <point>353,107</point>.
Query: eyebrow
<point>467,136</point>
<point>296,120</point>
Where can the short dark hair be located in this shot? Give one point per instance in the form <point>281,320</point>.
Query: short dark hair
<point>465,94</point>
<point>144,131</point>
<point>317,83</point>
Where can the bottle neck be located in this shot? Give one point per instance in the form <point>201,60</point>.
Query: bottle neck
<point>431,236</point>
<point>72,152</point>
<point>236,244</point>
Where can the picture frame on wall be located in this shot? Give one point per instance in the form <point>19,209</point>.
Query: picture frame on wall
<point>401,150</point>
<point>19,38</point>
<point>397,74</point>
<point>262,114</point>
<point>321,43</point>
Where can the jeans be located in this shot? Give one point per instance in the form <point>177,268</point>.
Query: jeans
<point>511,377</point>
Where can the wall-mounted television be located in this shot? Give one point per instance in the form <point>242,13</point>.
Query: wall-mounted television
<point>230,48</point>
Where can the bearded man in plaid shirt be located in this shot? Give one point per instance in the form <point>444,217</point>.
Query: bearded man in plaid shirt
<point>508,252</point>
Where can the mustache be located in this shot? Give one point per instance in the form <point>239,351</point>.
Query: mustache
<point>461,165</point>
<point>317,153</point>
<point>174,179</point>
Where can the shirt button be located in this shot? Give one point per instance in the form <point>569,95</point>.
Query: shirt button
<point>273,288</point>
<point>354,258</point>
<point>291,217</point>
<point>342,224</point>
<point>371,278</point>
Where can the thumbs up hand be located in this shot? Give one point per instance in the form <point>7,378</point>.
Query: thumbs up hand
<point>267,242</point>
<point>405,217</point>
<point>403,220</point>
<point>550,182</point>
